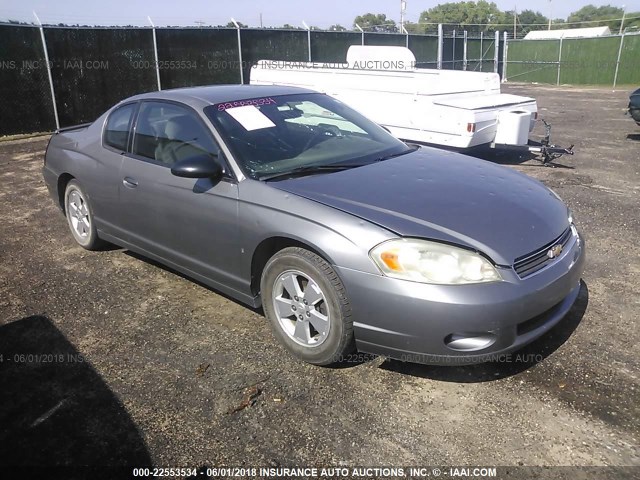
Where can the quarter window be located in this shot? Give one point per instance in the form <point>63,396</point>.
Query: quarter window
<point>116,132</point>
<point>168,133</point>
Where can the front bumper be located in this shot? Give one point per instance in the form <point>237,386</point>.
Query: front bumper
<point>411,321</point>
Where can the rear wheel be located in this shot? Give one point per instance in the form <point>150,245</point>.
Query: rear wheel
<point>306,303</point>
<point>80,217</point>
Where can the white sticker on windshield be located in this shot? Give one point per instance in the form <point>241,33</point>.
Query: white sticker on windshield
<point>250,117</point>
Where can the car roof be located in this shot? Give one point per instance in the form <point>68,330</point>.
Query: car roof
<point>214,94</point>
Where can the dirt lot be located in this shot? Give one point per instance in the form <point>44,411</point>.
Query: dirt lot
<point>107,358</point>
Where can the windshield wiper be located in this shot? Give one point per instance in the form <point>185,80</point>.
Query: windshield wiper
<point>412,148</point>
<point>335,167</point>
<point>310,170</point>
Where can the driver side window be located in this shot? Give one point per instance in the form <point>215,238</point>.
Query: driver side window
<point>167,133</point>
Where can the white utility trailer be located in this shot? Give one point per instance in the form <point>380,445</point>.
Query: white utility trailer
<point>457,109</point>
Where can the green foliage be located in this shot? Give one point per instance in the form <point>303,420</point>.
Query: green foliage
<point>375,23</point>
<point>605,16</point>
<point>478,16</point>
<point>416,28</point>
<point>288,26</point>
<point>231,25</point>
<point>471,16</point>
<point>590,13</point>
<point>529,20</point>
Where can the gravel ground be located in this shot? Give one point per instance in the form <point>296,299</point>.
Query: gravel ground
<point>107,358</point>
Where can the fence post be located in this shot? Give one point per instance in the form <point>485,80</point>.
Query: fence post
<point>155,52</point>
<point>239,51</point>
<point>362,31</point>
<point>615,78</point>
<point>407,34</point>
<point>481,52</point>
<point>504,57</point>
<point>453,52</point>
<point>46,59</point>
<point>440,45</point>
<point>496,53</point>
<point>464,52</point>
<point>559,62</point>
<point>308,39</point>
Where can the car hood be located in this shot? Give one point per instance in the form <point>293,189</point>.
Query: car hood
<point>444,196</point>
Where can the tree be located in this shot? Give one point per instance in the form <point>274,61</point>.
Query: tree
<point>592,16</point>
<point>526,21</point>
<point>529,20</point>
<point>471,16</point>
<point>375,22</point>
<point>231,25</point>
<point>416,28</point>
<point>337,28</point>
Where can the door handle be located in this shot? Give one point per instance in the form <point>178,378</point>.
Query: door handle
<point>129,182</point>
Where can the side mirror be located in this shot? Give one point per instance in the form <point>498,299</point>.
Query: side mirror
<point>199,166</point>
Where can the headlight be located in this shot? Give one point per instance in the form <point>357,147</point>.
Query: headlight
<point>431,262</point>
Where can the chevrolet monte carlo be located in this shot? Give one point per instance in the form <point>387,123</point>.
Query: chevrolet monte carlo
<point>348,238</point>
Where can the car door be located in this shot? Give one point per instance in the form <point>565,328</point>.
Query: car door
<point>107,154</point>
<point>191,223</point>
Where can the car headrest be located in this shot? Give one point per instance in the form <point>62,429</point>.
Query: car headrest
<point>182,127</point>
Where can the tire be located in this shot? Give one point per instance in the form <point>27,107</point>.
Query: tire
<point>319,329</point>
<point>79,215</point>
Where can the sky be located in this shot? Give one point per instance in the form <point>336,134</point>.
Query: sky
<point>320,13</point>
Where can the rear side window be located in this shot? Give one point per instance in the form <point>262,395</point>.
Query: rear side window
<point>116,132</point>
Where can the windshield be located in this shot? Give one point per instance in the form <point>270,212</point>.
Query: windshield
<point>278,134</point>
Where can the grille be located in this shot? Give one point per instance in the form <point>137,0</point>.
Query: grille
<point>533,262</point>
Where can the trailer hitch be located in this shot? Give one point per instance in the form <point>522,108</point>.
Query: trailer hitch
<point>546,149</point>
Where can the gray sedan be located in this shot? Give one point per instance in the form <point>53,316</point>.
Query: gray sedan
<point>348,238</point>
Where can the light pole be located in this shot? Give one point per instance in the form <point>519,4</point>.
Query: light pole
<point>550,12</point>
<point>624,14</point>
<point>403,9</point>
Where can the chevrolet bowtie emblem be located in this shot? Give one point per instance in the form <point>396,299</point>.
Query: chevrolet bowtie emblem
<point>554,251</point>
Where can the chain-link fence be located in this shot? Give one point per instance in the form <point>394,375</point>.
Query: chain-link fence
<point>26,104</point>
<point>53,77</point>
<point>611,60</point>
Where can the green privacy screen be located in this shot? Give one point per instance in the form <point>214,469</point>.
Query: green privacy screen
<point>577,61</point>
<point>452,53</point>
<point>533,60</point>
<point>190,57</point>
<point>93,69</point>
<point>263,44</point>
<point>425,49</point>
<point>480,54</point>
<point>332,46</point>
<point>629,71</point>
<point>385,39</point>
<point>590,61</point>
<point>24,86</point>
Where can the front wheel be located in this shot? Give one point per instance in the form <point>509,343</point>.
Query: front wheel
<point>306,303</point>
<point>80,217</point>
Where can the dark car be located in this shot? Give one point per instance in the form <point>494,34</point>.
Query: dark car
<point>634,106</point>
<point>347,237</point>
